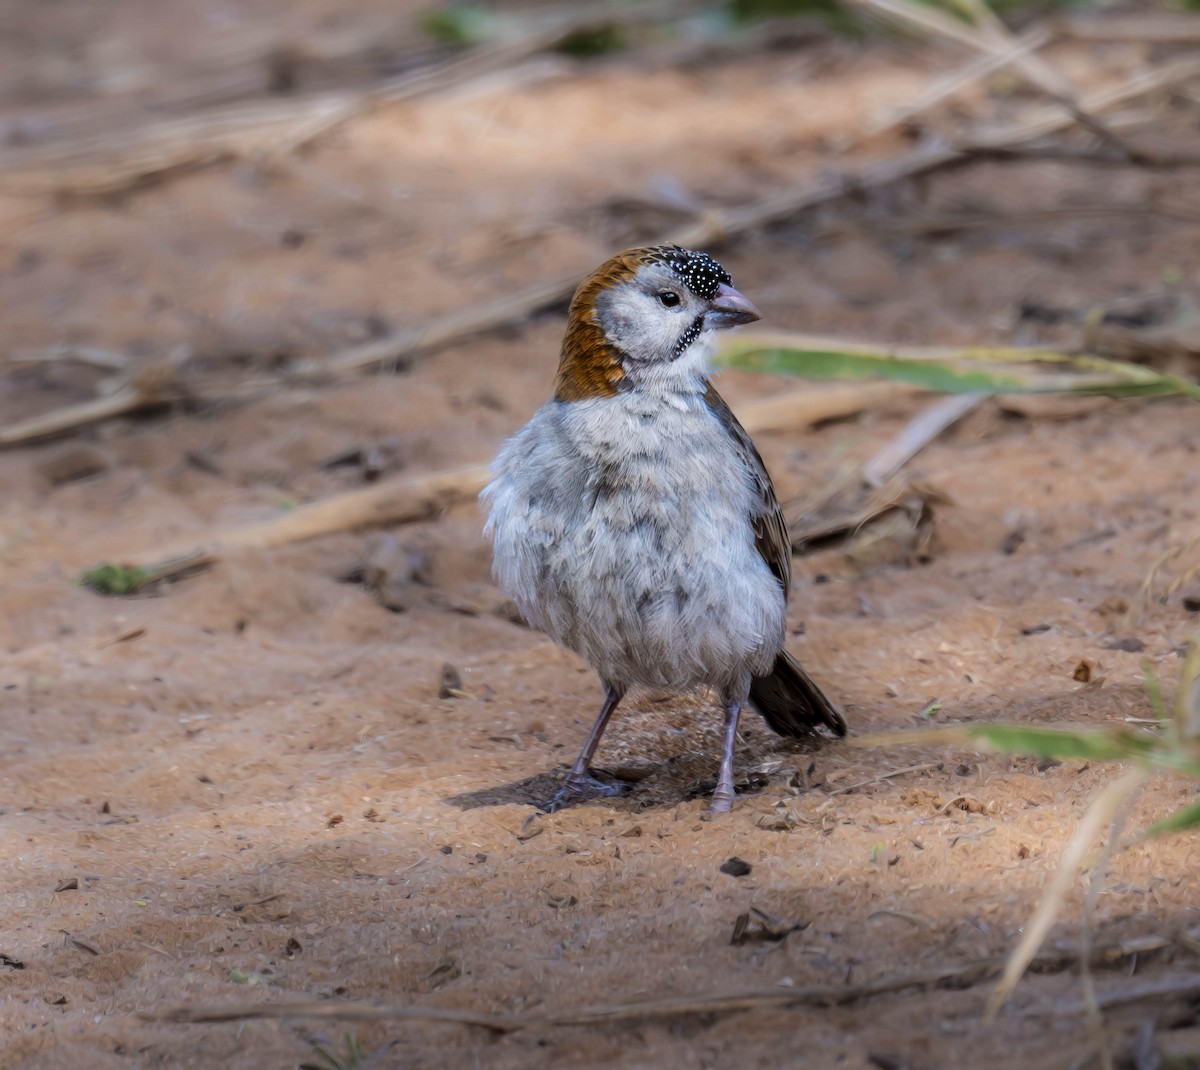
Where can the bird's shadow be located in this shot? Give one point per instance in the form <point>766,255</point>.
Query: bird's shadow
<point>536,791</point>
<point>664,785</point>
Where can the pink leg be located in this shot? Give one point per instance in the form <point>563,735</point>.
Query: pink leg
<point>724,793</point>
<point>579,785</point>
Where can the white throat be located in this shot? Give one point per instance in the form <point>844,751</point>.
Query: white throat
<point>686,374</point>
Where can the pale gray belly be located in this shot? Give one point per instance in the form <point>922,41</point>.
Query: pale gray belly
<point>629,542</point>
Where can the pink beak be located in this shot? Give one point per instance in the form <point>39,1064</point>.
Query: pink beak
<point>729,308</point>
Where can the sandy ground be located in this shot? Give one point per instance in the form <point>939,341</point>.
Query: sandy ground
<point>246,785</point>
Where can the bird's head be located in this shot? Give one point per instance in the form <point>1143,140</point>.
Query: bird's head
<point>646,316</point>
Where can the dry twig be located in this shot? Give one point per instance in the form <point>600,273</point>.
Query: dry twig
<point>1098,815</point>
<point>921,768</point>
<point>949,84</point>
<point>1186,986</point>
<point>718,226</point>
<point>117,159</point>
<point>962,974</point>
<point>987,34</point>
<point>191,1014</point>
<point>399,501</point>
<point>917,434</point>
<point>1152,27</point>
<point>712,229</point>
<point>145,391</point>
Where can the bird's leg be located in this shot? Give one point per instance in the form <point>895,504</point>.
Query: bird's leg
<point>579,785</point>
<point>723,795</point>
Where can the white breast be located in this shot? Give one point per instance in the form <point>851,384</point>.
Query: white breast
<point>621,528</point>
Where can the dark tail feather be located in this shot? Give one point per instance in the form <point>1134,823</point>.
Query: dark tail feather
<point>791,703</point>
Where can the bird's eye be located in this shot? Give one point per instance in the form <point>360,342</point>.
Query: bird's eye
<point>669,298</point>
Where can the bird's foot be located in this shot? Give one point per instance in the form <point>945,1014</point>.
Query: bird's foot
<point>724,793</point>
<point>722,802</point>
<point>579,787</point>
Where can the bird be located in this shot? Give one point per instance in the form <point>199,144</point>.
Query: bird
<point>633,521</point>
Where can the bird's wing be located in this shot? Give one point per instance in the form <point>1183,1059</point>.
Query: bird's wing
<point>766,517</point>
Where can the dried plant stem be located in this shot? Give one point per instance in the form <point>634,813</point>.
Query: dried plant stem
<point>1163,27</point>
<point>126,400</point>
<point>1151,80</point>
<point>1156,991</point>
<point>987,34</point>
<point>399,501</point>
<point>1099,871</point>
<point>396,501</point>
<point>1099,814</point>
<point>113,159</point>
<point>917,434</point>
<point>948,85</point>
<point>1159,584</point>
<point>345,1012</point>
<point>715,227</point>
<point>711,229</point>
<point>964,973</point>
<point>442,331</point>
<point>814,995</point>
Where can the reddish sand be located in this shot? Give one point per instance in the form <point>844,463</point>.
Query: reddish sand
<point>249,774</point>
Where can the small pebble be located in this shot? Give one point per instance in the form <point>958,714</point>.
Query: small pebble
<point>735,867</point>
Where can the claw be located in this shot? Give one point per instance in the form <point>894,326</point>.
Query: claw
<point>721,803</point>
<point>723,796</point>
<point>578,788</point>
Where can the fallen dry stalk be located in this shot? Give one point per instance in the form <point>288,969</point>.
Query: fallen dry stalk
<point>1186,986</point>
<point>151,386</point>
<point>191,1014</point>
<point>917,434</point>
<point>442,331</point>
<point>964,974</point>
<point>712,229</point>
<point>949,84</point>
<point>1152,80</point>
<point>1164,27</point>
<point>396,501</point>
<point>1035,931</point>
<point>399,501</point>
<point>107,161</point>
<point>671,1007</point>
<point>126,400</point>
<point>985,33</point>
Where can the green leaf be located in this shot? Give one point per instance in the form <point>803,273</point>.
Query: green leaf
<point>1153,689</point>
<point>253,977</point>
<point>593,41</point>
<point>1187,701</point>
<point>114,579</point>
<point>1110,745</point>
<point>942,370</point>
<point>1186,818</point>
<point>459,26</point>
<point>1117,744</point>
<point>830,364</point>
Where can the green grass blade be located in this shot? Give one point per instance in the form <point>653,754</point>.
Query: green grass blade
<point>1116,744</point>
<point>114,579</point>
<point>1110,745</point>
<point>941,370</point>
<point>1187,701</point>
<point>1153,690</point>
<point>831,364</point>
<point>1188,817</point>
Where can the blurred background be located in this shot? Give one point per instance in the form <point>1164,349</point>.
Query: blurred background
<point>277,270</point>
<point>228,187</point>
